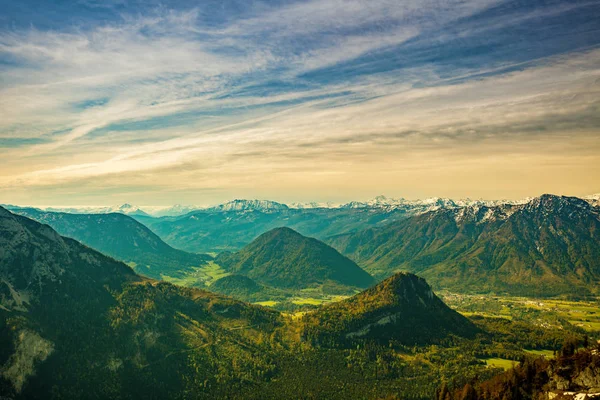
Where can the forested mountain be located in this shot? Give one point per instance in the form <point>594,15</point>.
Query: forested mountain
<point>77,324</point>
<point>283,258</point>
<point>231,228</point>
<point>232,225</point>
<point>548,246</point>
<point>402,308</point>
<point>123,238</point>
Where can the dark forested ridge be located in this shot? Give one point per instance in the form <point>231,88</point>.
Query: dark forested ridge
<point>77,324</point>
<point>283,258</point>
<point>549,246</point>
<point>122,237</point>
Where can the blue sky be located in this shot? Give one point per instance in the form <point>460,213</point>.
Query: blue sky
<point>196,102</point>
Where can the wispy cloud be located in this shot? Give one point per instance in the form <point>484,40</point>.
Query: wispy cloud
<point>312,90</point>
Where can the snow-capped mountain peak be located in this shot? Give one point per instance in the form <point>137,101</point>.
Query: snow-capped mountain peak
<point>250,205</point>
<point>313,205</point>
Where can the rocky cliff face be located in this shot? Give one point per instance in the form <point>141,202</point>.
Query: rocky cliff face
<point>579,379</point>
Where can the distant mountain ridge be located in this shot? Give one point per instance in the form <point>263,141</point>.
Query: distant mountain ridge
<point>122,237</point>
<point>426,205</point>
<point>249,205</point>
<point>125,208</point>
<point>217,231</point>
<point>378,202</point>
<point>232,225</point>
<point>548,246</point>
<point>283,258</point>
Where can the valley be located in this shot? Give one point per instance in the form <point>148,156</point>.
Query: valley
<point>582,314</point>
<point>201,276</point>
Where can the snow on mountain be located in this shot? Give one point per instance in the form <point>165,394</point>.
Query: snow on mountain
<point>250,205</point>
<point>128,209</point>
<point>593,199</point>
<point>546,204</point>
<point>480,213</point>
<point>380,203</point>
<point>313,205</point>
<point>172,211</point>
<point>428,204</point>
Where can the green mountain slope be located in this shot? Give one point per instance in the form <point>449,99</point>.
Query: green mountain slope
<point>283,258</point>
<point>402,308</point>
<point>77,324</point>
<point>549,246</point>
<point>230,230</point>
<point>122,237</point>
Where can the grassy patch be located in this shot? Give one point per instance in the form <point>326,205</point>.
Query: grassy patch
<point>268,303</point>
<point>316,300</point>
<point>486,315</point>
<point>543,353</point>
<point>213,272</point>
<point>500,363</point>
<point>308,300</point>
<point>201,276</point>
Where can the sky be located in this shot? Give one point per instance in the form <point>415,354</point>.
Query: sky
<point>197,102</point>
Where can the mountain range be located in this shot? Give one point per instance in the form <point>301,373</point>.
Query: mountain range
<point>545,246</point>
<point>548,246</point>
<point>123,238</point>
<point>77,324</point>
<point>207,231</point>
<point>232,225</point>
<point>378,202</point>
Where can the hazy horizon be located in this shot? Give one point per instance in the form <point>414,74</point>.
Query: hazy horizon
<point>198,103</point>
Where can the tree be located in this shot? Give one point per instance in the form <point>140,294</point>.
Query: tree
<point>442,392</point>
<point>468,393</point>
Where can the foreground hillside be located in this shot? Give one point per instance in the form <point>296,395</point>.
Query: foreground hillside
<point>283,258</point>
<point>77,324</point>
<point>122,237</point>
<point>549,246</point>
